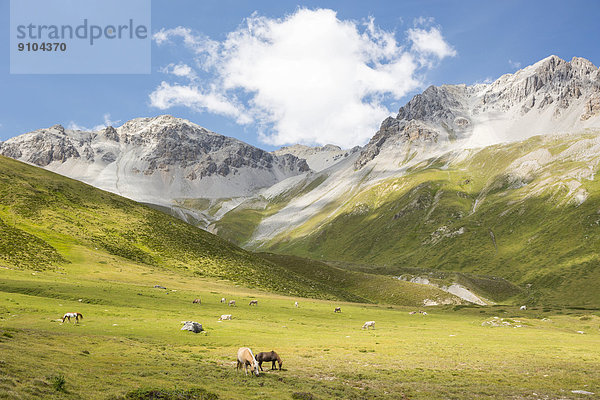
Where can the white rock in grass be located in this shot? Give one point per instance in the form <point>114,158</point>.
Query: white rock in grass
<point>192,327</point>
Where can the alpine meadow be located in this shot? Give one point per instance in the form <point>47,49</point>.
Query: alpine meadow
<point>452,254</point>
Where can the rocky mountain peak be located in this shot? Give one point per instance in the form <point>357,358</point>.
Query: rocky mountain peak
<point>155,159</point>
<point>552,95</point>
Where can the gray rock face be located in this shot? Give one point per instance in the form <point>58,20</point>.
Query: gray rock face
<point>158,154</point>
<point>317,158</point>
<point>447,112</point>
<point>192,327</point>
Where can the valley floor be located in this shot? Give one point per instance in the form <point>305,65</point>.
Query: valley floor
<point>130,338</point>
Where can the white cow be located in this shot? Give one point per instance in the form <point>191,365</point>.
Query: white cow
<point>369,324</point>
<point>223,300</point>
<point>296,304</point>
<point>225,317</point>
<point>231,303</point>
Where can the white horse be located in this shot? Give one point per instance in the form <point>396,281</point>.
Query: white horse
<point>225,317</point>
<point>246,358</point>
<point>70,315</point>
<point>369,324</point>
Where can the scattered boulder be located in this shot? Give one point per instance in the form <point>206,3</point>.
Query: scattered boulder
<point>192,327</point>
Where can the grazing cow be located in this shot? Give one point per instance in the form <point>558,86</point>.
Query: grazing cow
<point>225,317</point>
<point>369,324</point>
<point>267,356</point>
<point>338,309</point>
<point>296,304</point>
<point>223,300</point>
<point>412,313</point>
<point>70,315</point>
<point>196,301</point>
<point>253,303</point>
<point>246,358</point>
<point>523,308</point>
<point>231,303</point>
<point>424,313</point>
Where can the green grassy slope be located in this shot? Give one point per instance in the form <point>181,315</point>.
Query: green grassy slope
<point>48,221</point>
<point>52,222</point>
<point>478,214</point>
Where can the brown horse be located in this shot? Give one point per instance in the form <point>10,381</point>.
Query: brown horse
<point>246,358</point>
<point>267,356</point>
<point>70,315</point>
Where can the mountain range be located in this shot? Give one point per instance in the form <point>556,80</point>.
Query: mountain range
<point>497,178</point>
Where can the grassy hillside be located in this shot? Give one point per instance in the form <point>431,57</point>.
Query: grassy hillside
<point>48,221</point>
<point>52,222</point>
<point>527,212</point>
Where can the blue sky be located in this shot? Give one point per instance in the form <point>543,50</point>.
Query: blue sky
<point>483,40</point>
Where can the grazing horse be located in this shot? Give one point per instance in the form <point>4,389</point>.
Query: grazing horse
<point>70,315</point>
<point>267,356</point>
<point>253,303</point>
<point>338,309</point>
<point>223,300</point>
<point>369,324</point>
<point>196,301</point>
<point>246,358</point>
<point>231,303</point>
<point>296,304</point>
<point>225,317</point>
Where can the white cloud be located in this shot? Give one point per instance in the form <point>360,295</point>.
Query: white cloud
<point>430,42</point>
<point>107,122</point>
<point>307,78</point>
<point>166,96</point>
<point>514,64</point>
<point>181,70</point>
